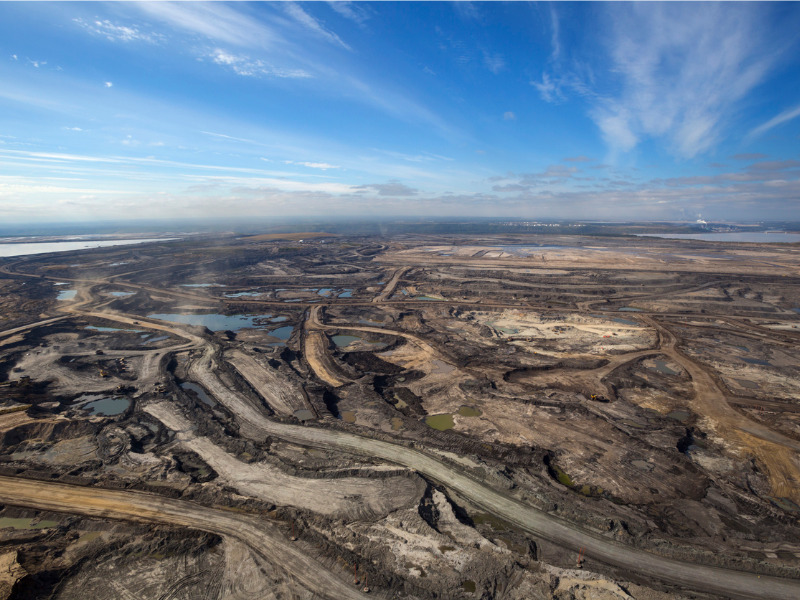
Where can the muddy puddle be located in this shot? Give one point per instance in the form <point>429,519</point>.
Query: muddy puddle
<point>431,298</point>
<point>200,392</point>
<point>755,361</point>
<point>215,321</point>
<point>303,414</point>
<point>348,416</point>
<point>66,294</point>
<point>120,294</point>
<point>679,415</point>
<point>469,411</point>
<point>747,384</point>
<point>25,523</point>
<point>346,294</point>
<point>630,309</point>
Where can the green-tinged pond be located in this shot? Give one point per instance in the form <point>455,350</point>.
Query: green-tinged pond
<point>441,422</point>
<point>25,523</point>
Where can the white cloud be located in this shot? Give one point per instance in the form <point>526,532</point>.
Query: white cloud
<point>555,43</point>
<point>309,22</point>
<point>682,68</point>
<point>109,84</point>
<point>214,20</point>
<point>14,57</point>
<point>247,67</point>
<point>118,33</point>
<point>73,128</point>
<point>548,90</point>
<point>37,63</point>
<point>787,115</point>
<point>350,10</point>
<point>509,116</point>
<point>311,165</point>
<point>494,62</point>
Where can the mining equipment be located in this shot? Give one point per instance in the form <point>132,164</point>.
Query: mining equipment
<point>366,587</point>
<point>581,558</point>
<point>293,537</point>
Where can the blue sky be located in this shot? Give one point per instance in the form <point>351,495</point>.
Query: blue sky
<point>535,110</point>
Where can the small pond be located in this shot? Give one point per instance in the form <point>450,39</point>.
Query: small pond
<point>303,414</point>
<point>344,340</point>
<point>215,322</point>
<point>201,285</point>
<point>630,309</point>
<point>346,294</point>
<point>282,333</point>
<point>121,294</point>
<point>201,393</point>
<point>112,329</point>
<point>66,294</point>
<point>105,406</point>
<point>441,422</point>
<point>662,367</point>
<point>242,294</point>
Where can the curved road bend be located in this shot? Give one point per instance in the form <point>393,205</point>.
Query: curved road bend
<point>261,536</point>
<point>728,583</point>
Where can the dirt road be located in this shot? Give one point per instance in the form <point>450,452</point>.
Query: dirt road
<point>262,536</point>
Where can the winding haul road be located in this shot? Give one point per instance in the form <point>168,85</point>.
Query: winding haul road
<point>262,537</point>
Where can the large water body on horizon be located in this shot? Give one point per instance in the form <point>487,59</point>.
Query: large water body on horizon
<point>760,237</point>
<point>28,248</point>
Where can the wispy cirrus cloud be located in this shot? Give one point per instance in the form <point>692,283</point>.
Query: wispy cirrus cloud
<point>681,71</point>
<point>494,61</point>
<point>248,67</point>
<point>118,33</point>
<point>787,115</point>
<point>216,21</point>
<point>674,72</point>
<point>296,12</point>
<point>355,11</point>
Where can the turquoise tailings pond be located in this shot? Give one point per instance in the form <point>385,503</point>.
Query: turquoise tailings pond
<point>216,322</point>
